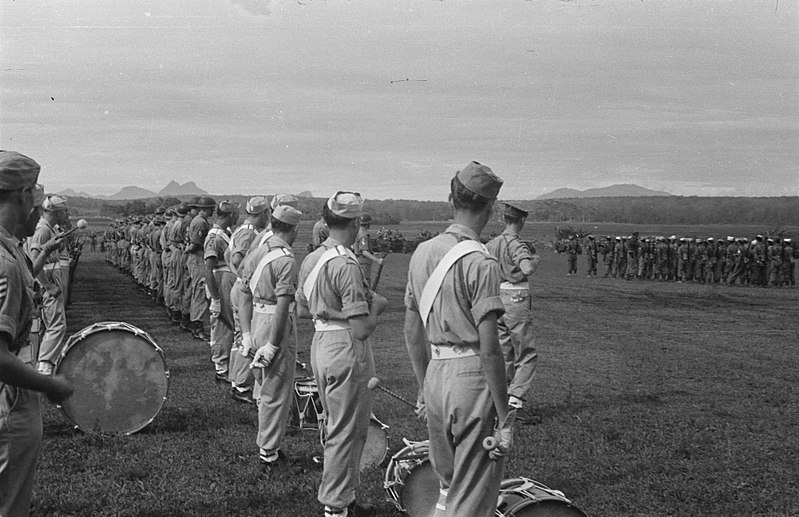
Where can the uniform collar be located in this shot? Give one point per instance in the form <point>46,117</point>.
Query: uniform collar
<point>460,230</point>
<point>508,231</point>
<point>278,242</point>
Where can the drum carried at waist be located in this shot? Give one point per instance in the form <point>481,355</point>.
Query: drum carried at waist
<point>120,378</point>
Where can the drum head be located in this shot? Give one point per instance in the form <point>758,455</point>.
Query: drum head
<point>376,447</point>
<point>120,378</point>
<point>522,497</point>
<point>548,508</point>
<point>419,493</point>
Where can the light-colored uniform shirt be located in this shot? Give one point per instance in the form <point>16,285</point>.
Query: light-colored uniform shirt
<point>469,292</point>
<point>215,246</point>
<point>279,278</point>
<point>16,291</point>
<point>510,251</point>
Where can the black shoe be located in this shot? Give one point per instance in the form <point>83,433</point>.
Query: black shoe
<point>221,378</point>
<point>527,418</point>
<point>360,510</point>
<point>245,397</point>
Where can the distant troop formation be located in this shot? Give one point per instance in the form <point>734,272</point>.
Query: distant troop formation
<point>760,261</point>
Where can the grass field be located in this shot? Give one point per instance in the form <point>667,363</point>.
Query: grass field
<point>658,399</point>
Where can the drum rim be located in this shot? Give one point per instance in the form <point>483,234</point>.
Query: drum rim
<point>411,448</point>
<point>102,326</point>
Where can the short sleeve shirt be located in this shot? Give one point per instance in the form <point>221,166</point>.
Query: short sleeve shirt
<point>16,291</point>
<point>216,243</point>
<point>43,233</point>
<point>341,292</point>
<point>510,251</point>
<point>362,243</point>
<point>469,292</point>
<point>320,233</point>
<point>198,230</point>
<point>278,278</point>
<point>240,241</point>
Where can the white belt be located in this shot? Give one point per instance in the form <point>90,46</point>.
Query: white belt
<point>52,266</point>
<point>453,352</point>
<point>222,269</point>
<point>265,308</point>
<point>64,262</point>
<point>329,325</point>
<point>508,285</point>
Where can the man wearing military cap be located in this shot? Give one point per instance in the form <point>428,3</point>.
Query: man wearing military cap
<point>363,248</point>
<point>333,291</point>
<point>54,316</point>
<point>219,280</point>
<point>453,341</point>
<point>20,413</point>
<point>240,373</point>
<point>198,230</point>
<point>319,233</point>
<point>267,287</point>
<point>517,263</point>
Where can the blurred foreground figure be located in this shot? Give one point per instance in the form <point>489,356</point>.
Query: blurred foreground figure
<point>20,414</point>
<point>453,302</point>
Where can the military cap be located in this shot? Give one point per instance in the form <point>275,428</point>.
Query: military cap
<point>682,239</point>
<point>673,238</point>
<point>17,171</point>
<point>618,238</point>
<point>256,205</point>
<point>607,237</point>
<point>183,208</point>
<point>514,211</point>
<point>193,201</point>
<point>54,204</point>
<point>770,240</point>
<point>284,199</point>
<point>366,218</point>
<point>169,212</point>
<point>591,237</point>
<point>159,219</point>
<point>730,238</point>
<point>787,239</point>
<point>348,205</point>
<point>205,202</point>
<point>480,179</point>
<point>710,239</point>
<point>160,210</point>
<point>759,237</point>
<point>227,207</point>
<point>287,214</point>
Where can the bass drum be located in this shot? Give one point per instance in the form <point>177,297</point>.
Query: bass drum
<point>410,482</point>
<point>120,377</point>
<point>376,448</point>
<point>522,497</point>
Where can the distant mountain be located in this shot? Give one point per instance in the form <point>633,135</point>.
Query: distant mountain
<point>624,190</point>
<point>174,188</point>
<point>305,194</point>
<point>131,192</point>
<point>71,193</point>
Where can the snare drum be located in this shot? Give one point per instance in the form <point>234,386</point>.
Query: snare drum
<point>522,497</point>
<point>306,397</point>
<point>376,447</point>
<point>120,377</point>
<point>410,482</point>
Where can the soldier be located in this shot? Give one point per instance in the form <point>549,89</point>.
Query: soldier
<point>618,258</point>
<point>333,291</point>
<point>20,413</point>
<point>268,287</point>
<point>240,374</point>
<point>632,256</point>
<point>774,257</point>
<point>607,255</point>
<point>591,254</point>
<point>175,240</point>
<point>363,248</point>
<point>712,251</point>
<point>320,233</point>
<point>156,283</point>
<point>452,338</point>
<point>735,254</point>
<point>573,249</point>
<point>54,316</point>
<point>219,280</point>
<point>788,263</point>
<point>517,264</point>
<point>198,230</point>
<point>186,289</point>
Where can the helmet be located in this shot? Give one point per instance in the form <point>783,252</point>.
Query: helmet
<point>366,218</point>
<point>205,202</point>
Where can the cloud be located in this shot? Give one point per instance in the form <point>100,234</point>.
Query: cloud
<point>254,7</point>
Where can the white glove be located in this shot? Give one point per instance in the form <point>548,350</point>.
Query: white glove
<point>421,411</point>
<point>504,437</point>
<point>246,343</point>
<point>264,356</point>
<point>216,307</point>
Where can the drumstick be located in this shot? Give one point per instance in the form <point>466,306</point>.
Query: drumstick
<point>82,225</point>
<point>374,382</point>
<point>373,287</point>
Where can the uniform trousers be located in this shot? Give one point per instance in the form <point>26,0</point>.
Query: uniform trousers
<point>198,303</point>
<point>176,265</point>
<point>54,320</point>
<point>20,443</point>
<point>342,367</point>
<point>222,325</point>
<point>239,372</point>
<point>517,341</point>
<point>186,291</point>
<point>166,274</point>
<point>460,414</point>
<point>156,272</point>
<point>277,384</point>
<point>65,267</point>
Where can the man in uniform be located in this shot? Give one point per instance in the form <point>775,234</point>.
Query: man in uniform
<point>240,374</point>
<point>20,413</point>
<point>198,230</point>
<point>788,263</point>
<point>453,303</point>
<point>363,248</point>
<point>573,249</point>
<point>54,316</point>
<point>219,280</point>
<point>333,291</point>
<point>186,289</point>
<point>591,255</point>
<point>268,286</point>
<point>517,263</point>
<point>319,233</point>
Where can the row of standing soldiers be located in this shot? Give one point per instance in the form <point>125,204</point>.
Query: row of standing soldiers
<point>758,262</point>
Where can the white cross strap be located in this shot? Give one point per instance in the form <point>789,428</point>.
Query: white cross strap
<point>265,260</point>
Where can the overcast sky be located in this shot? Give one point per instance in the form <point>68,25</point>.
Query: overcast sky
<point>692,97</point>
